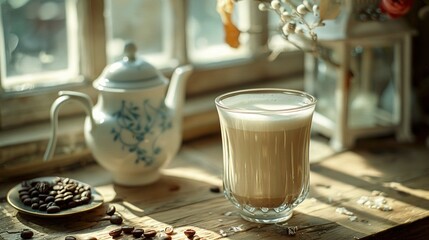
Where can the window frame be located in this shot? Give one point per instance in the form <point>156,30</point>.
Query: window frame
<point>16,123</point>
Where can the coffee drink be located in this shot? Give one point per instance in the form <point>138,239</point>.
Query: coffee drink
<point>266,137</point>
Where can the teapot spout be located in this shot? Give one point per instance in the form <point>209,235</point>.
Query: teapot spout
<point>175,97</point>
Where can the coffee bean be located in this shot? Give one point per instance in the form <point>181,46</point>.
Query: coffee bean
<point>70,238</point>
<point>71,187</point>
<point>27,201</point>
<point>111,210</point>
<point>35,206</point>
<point>85,200</point>
<point>169,230</point>
<point>24,197</point>
<point>21,193</point>
<point>43,187</point>
<point>51,204</point>
<point>116,219</point>
<point>115,232</point>
<point>59,196</point>
<point>189,233</point>
<point>85,194</point>
<point>26,234</point>
<point>34,193</point>
<point>43,207</point>
<point>215,189</point>
<point>49,199</point>
<point>76,197</point>
<point>127,229</point>
<point>138,232</point>
<point>68,193</point>
<point>53,209</point>
<point>149,233</point>
<point>43,196</point>
<point>90,238</point>
<point>23,189</point>
<point>59,201</point>
<point>35,200</point>
<point>164,237</point>
<point>72,204</point>
<point>62,191</point>
<point>68,198</point>
<point>174,188</point>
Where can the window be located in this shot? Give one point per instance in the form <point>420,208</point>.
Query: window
<point>40,44</point>
<point>52,45</point>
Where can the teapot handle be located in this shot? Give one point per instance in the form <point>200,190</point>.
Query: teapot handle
<point>65,96</point>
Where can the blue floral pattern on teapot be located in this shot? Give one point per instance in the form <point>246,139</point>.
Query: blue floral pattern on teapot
<point>151,122</point>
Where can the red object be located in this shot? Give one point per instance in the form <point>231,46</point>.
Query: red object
<point>396,8</point>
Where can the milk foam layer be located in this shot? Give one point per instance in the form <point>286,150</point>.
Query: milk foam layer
<point>265,101</point>
<point>266,112</point>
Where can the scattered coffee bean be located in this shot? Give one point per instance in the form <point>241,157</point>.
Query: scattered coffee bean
<point>116,219</point>
<point>169,230</point>
<point>215,189</point>
<point>90,238</point>
<point>164,237</point>
<point>149,233</point>
<point>26,234</point>
<point>111,210</point>
<point>174,188</point>
<point>70,238</point>
<point>189,233</point>
<point>115,232</point>
<point>127,229</point>
<point>138,232</point>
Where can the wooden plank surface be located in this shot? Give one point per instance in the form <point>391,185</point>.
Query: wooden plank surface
<point>182,198</point>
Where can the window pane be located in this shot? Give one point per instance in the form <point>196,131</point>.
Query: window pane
<point>206,34</point>
<point>35,39</point>
<point>143,22</point>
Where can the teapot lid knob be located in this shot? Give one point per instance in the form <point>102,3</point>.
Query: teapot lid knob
<point>130,50</point>
<point>130,73</point>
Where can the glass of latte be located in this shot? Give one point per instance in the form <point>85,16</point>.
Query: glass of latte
<point>265,141</point>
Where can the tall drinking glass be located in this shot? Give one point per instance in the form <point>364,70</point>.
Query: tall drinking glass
<point>265,140</point>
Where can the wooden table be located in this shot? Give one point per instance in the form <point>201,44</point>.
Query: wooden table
<point>183,199</point>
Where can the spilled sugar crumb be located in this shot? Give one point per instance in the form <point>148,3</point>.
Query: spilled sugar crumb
<point>376,202</point>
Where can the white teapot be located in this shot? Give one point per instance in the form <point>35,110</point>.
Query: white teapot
<point>135,127</point>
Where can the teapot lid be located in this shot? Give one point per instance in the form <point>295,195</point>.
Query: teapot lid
<point>129,73</point>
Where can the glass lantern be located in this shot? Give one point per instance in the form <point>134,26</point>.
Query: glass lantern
<point>362,79</point>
